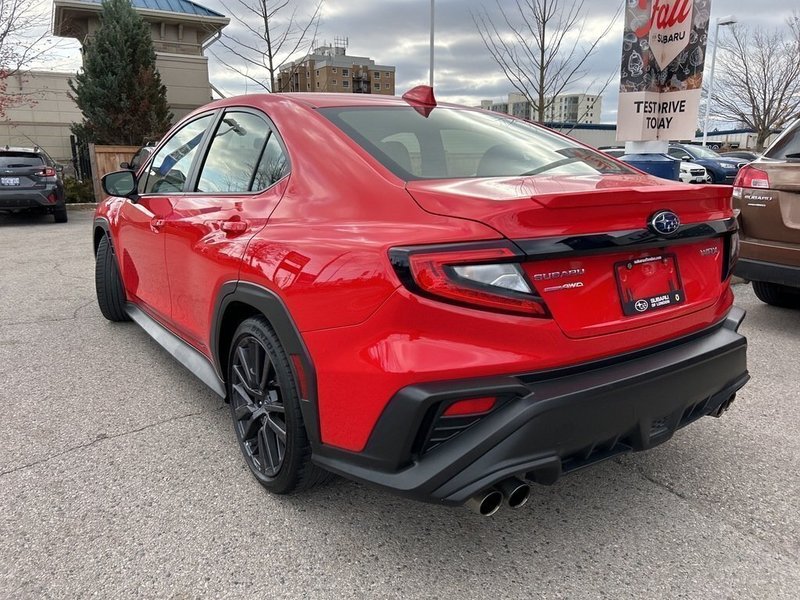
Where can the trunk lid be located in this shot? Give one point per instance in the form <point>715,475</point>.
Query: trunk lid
<point>772,214</point>
<point>589,252</point>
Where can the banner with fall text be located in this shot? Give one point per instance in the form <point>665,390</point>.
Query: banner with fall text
<point>663,55</point>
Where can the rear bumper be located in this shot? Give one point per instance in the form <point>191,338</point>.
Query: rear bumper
<point>757,270</point>
<point>550,423</point>
<point>20,199</point>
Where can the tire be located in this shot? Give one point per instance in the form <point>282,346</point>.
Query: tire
<point>60,214</point>
<point>265,407</point>
<point>108,284</point>
<point>777,295</point>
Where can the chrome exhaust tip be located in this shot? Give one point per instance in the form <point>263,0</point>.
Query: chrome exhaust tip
<point>515,491</point>
<point>486,503</point>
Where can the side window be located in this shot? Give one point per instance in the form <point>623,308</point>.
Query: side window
<point>237,155</point>
<point>272,167</point>
<point>169,168</point>
<point>679,153</point>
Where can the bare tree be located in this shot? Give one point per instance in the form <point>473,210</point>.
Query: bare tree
<point>269,34</point>
<point>542,46</point>
<point>24,38</point>
<point>758,77</point>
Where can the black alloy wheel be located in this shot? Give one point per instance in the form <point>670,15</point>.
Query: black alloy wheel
<point>257,404</point>
<point>265,406</point>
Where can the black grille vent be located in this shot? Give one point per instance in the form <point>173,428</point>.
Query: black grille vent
<point>446,428</point>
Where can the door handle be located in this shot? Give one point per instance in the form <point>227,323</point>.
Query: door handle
<point>156,224</point>
<point>234,227</point>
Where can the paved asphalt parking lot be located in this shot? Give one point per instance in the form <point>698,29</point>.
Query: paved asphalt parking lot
<point>120,477</point>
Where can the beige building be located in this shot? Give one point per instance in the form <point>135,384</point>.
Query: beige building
<point>331,69</point>
<point>181,31</point>
<point>42,113</point>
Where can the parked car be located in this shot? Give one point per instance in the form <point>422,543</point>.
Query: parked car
<point>443,302</point>
<point>743,154</point>
<point>140,157</point>
<point>31,181</point>
<point>720,169</point>
<point>767,192</point>
<point>689,172</point>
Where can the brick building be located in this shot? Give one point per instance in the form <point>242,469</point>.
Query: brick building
<point>331,69</point>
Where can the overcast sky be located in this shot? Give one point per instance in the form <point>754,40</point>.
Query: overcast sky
<point>396,32</point>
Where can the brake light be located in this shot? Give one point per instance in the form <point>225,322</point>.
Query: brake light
<point>482,275</point>
<point>732,252</point>
<point>46,172</point>
<point>473,406</point>
<point>750,177</point>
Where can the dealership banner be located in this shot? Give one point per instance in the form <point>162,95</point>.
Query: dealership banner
<point>663,55</point>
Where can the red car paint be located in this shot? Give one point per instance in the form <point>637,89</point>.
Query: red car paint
<point>320,241</point>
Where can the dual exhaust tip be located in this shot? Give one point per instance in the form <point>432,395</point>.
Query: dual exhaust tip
<point>513,491</point>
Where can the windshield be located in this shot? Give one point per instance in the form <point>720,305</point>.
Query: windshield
<point>787,146</point>
<point>11,160</point>
<point>456,143</point>
<point>701,152</point>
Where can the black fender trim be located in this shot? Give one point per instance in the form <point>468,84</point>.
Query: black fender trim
<point>100,223</point>
<point>273,308</point>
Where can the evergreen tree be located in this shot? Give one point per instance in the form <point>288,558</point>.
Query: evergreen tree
<point>119,90</point>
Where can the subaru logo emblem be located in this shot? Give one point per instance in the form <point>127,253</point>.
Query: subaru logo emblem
<point>665,222</point>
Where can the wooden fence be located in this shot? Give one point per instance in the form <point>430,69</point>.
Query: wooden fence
<point>105,159</point>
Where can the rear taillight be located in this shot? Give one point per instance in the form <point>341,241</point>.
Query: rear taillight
<point>478,275</point>
<point>750,177</point>
<point>46,172</point>
<point>731,254</point>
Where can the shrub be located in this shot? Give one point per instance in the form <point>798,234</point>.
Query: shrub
<point>77,191</point>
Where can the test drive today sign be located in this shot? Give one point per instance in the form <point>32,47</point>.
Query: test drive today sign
<point>663,54</point>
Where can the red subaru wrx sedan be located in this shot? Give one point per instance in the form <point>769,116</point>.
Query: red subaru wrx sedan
<point>441,301</point>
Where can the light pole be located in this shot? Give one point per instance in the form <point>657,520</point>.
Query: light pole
<point>432,17</point>
<point>729,20</point>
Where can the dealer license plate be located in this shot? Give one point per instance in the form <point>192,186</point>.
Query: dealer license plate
<point>9,180</point>
<point>648,284</point>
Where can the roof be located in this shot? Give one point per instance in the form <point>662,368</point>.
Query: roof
<point>186,7</point>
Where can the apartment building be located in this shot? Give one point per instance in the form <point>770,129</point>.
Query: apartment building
<point>331,69</point>
<point>565,108</point>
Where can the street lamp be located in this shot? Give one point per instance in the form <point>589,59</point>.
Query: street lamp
<point>432,17</point>
<point>729,20</point>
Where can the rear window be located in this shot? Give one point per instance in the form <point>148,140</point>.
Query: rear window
<point>457,143</point>
<point>10,160</point>
<point>786,147</point>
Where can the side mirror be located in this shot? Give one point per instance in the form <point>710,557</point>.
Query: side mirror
<point>687,158</point>
<point>124,165</point>
<point>120,183</point>
<point>59,168</point>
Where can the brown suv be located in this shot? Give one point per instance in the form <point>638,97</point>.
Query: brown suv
<point>767,192</point>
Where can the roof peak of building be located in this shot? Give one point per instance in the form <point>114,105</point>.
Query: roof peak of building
<point>186,7</point>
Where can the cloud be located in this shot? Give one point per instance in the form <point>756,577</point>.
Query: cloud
<point>395,32</point>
